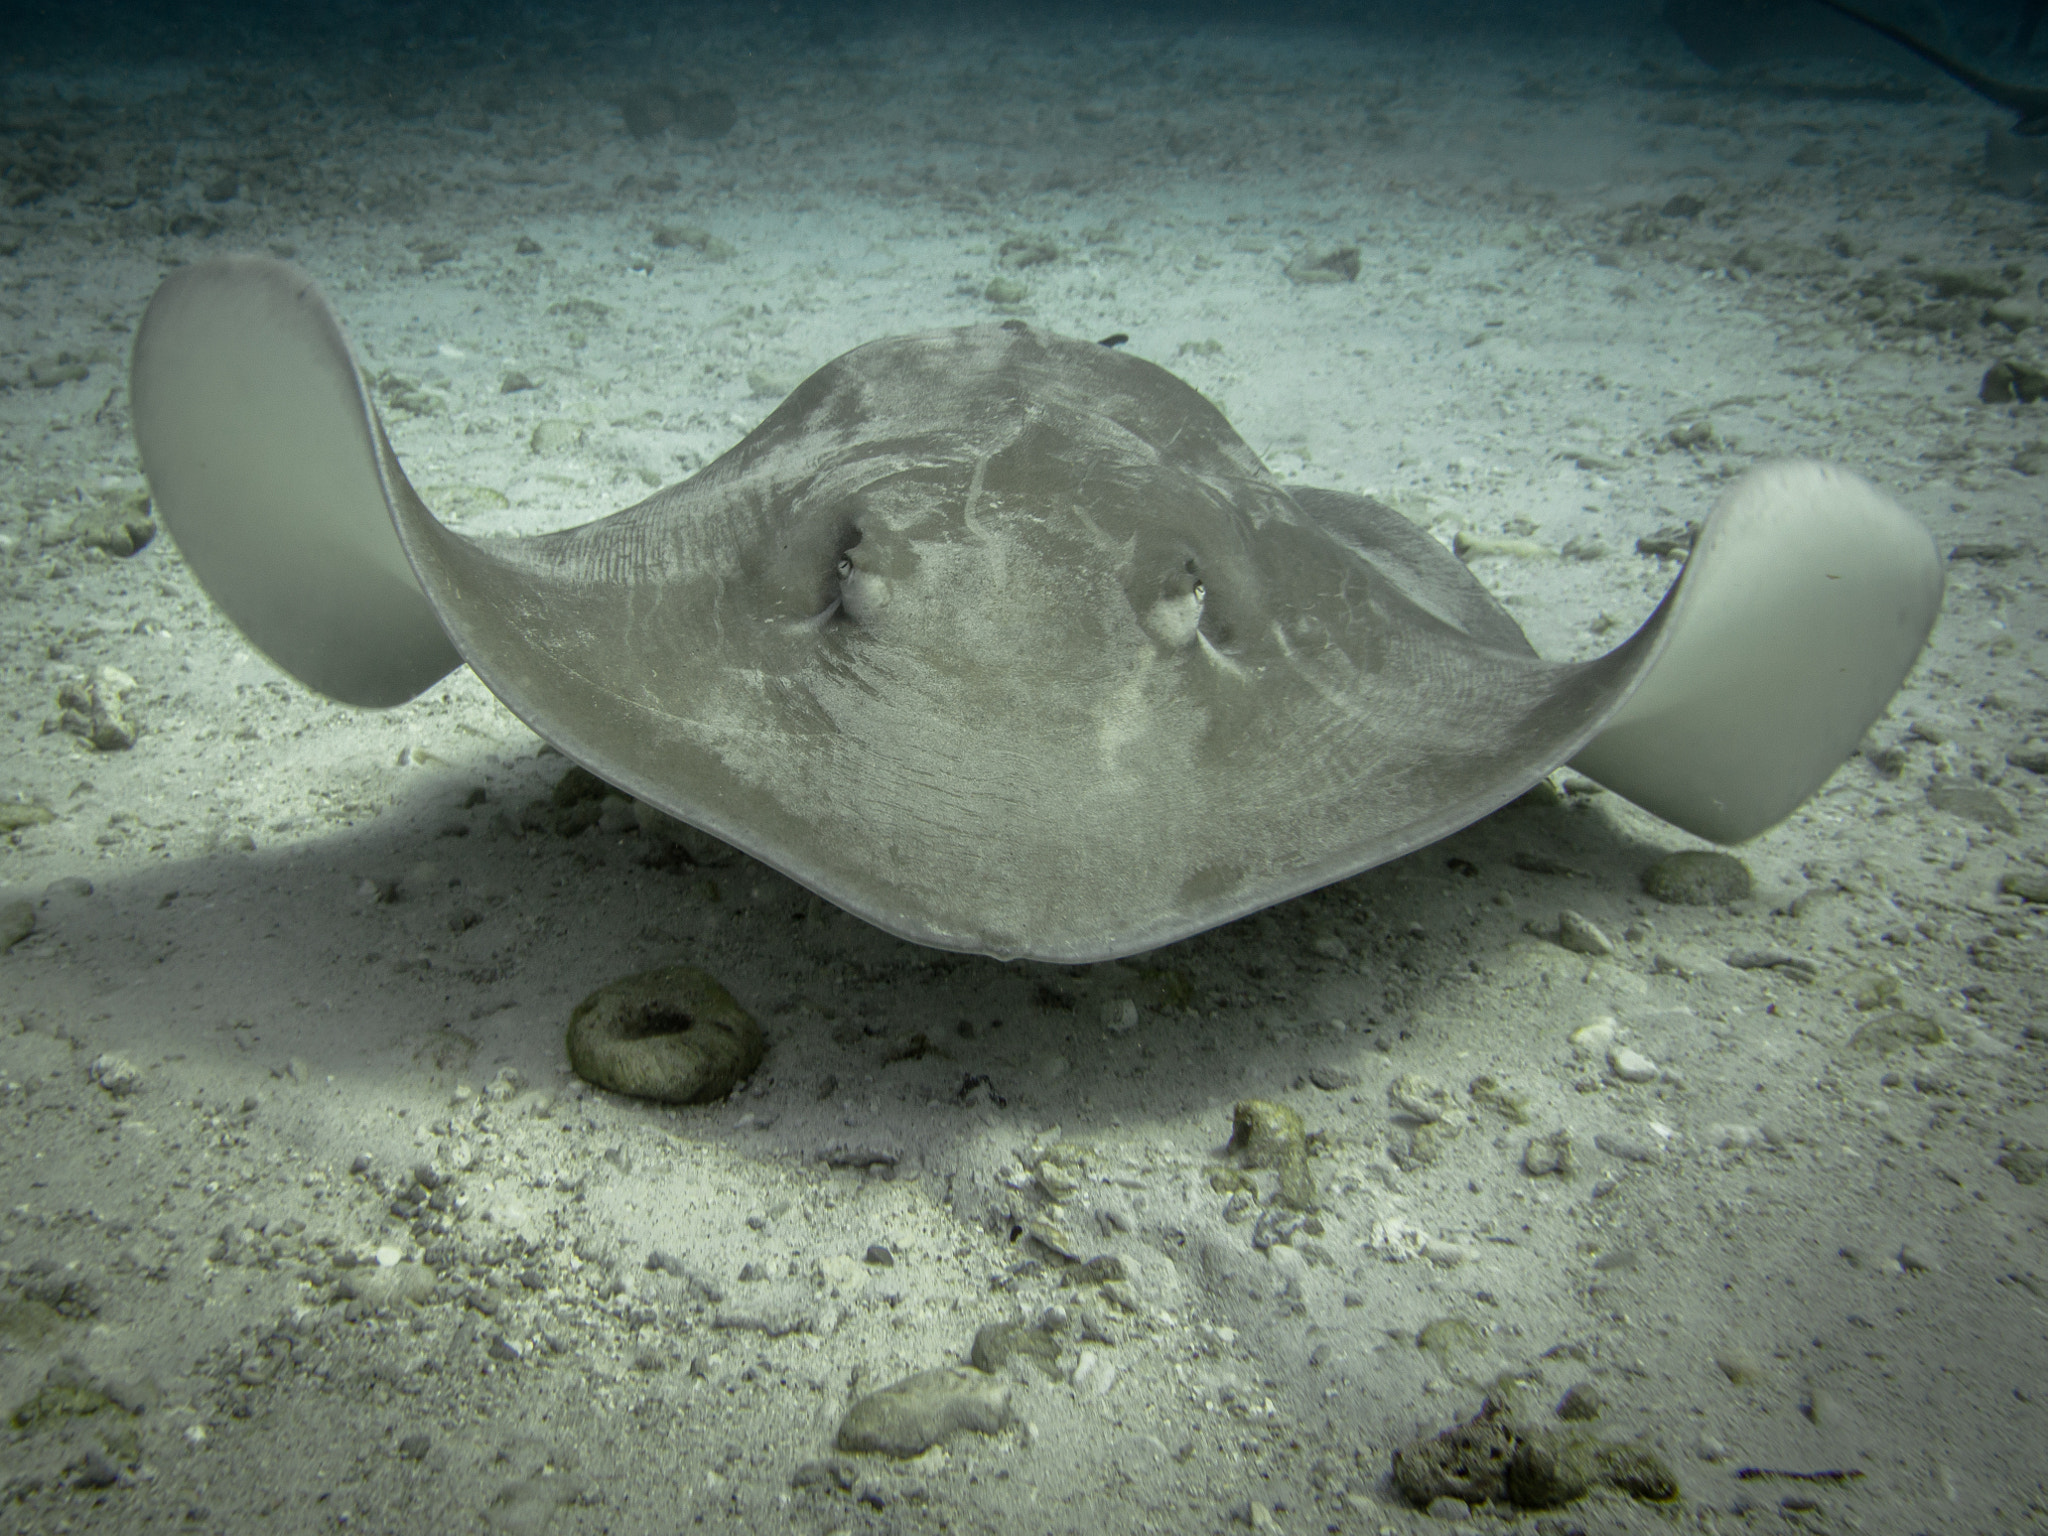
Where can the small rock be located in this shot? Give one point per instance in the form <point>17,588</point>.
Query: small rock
<point>1511,1104</point>
<point>555,436</point>
<point>96,712</point>
<point>1627,1148</point>
<point>1972,802</point>
<point>2027,884</point>
<point>1005,291</point>
<point>1581,936</point>
<point>122,527</point>
<point>1631,1065</point>
<point>1739,1365</point>
<point>16,815</point>
<point>17,922</point>
<point>997,1344</point>
<point>1698,878</point>
<point>1581,1402</point>
<point>1894,1031</point>
<point>911,1416</point>
<point>1417,1097</point>
<point>1268,1135</point>
<point>1594,1040</point>
<point>1549,1154</point>
<point>879,1254</point>
<point>674,1035</point>
<point>116,1074</point>
<point>1339,264</point>
<point>1329,1079</point>
<point>2026,1165</point>
<point>1916,1258</point>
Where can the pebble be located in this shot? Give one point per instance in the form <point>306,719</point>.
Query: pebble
<point>1915,1258</point>
<point>1972,802</point>
<point>17,922</point>
<point>1739,1365</point>
<point>997,1344</point>
<point>115,1074</point>
<point>555,436</point>
<point>674,1035</point>
<point>879,1254</point>
<point>1698,878</point>
<point>1631,1066</point>
<point>1418,1098</point>
<point>1549,1154</point>
<point>1268,1135</point>
<point>1596,1038</point>
<point>911,1416</point>
<point>2027,884</point>
<point>1581,935</point>
<point>1581,1402</point>
<point>1627,1148</point>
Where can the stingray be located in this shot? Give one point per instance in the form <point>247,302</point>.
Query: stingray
<point>1006,642</point>
<point>2030,102</point>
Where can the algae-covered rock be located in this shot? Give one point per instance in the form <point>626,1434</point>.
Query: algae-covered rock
<point>997,1344</point>
<point>1698,877</point>
<point>911,1416</point>
<point>1498,1457</point>
<point>1268,1135</point>
<point>674,1035</point>
<point>1895,1031</point>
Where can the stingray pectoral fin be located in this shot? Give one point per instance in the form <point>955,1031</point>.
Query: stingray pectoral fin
<point>267,463</point>
<point>1807,597</point>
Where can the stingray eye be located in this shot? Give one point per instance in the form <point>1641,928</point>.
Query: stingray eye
<point>845,567</point>
<point>1201,593</point>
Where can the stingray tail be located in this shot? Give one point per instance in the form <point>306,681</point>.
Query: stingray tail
<point>1807,598</point>
<point>269,467</point>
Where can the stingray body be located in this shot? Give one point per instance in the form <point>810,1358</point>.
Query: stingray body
<point>1006,642</point>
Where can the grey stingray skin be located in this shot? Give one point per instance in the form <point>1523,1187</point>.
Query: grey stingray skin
<point>1003,642</point>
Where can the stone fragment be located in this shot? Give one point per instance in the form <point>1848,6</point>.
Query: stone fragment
<point>997,1344</point>
<point>1698,877</point>
<point>2027,884</point>
<point>1631,1065</point>
<point>121,525</point>
<point>1268,1135</point>
<point>1337,264</point>
<point>555,436</point>
<point>1511,1104</point>
<point>1549,1154</point>
<point>116,1074</point>
<point>1972,802</point>
<point>1581,935</point>
<point>1495,1458</point>
<point>1417,1097</point>
<point>911,1416</point>
<point>17,922</point>
<point>15,815</point>
<point>96,710</point>
<point>673,1035</point>
<point>1581,1403</point>
<point>1894,1031</point>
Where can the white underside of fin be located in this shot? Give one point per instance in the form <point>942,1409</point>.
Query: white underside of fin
<point>1807,598</point>
<point>266,463</point>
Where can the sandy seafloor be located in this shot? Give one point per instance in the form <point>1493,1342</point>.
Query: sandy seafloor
<point>334,946</point>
